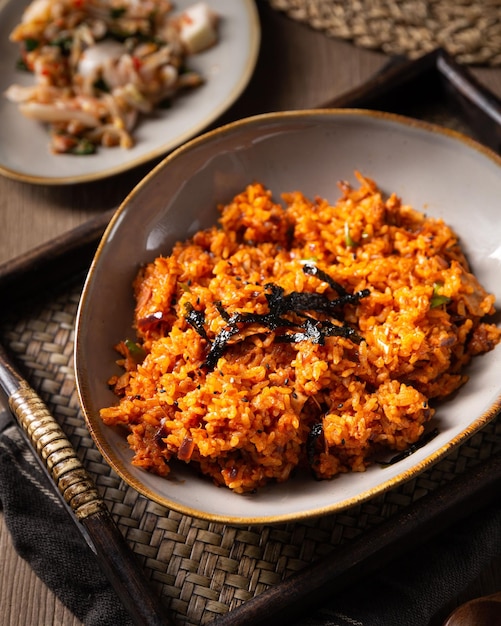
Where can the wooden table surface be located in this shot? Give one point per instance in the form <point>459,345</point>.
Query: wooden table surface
<point>297,68</point>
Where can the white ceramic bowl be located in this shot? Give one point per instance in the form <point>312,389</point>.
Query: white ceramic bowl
<point>434,170</point>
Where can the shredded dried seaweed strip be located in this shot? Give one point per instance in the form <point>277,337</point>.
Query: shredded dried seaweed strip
<point>314,441</point>
<point>220,343</point>
<point>196,319</point>
<point>314,270</point>
<point>316,332</point>
<point>280,305</point>
<point>423,440</point>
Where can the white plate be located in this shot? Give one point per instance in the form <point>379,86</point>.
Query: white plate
<point>437,171</point>
<point>227,67</point>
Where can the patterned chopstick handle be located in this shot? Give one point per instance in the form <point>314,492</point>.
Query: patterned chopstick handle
<point>56,452</point>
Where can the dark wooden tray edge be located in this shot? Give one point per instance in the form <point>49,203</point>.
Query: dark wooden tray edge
<point>55,263</point>
<point>480,108</point>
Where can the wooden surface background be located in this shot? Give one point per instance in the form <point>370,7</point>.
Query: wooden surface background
<point>297,68</point>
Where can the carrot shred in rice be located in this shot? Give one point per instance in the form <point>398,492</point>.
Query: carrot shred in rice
<point>276,398</point>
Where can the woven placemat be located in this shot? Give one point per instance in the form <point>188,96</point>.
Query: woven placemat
<point>203,569</point>
<point>469,31</point>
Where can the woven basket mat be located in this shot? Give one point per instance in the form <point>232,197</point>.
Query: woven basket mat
<point>202,569</point>
<point>470,31</point>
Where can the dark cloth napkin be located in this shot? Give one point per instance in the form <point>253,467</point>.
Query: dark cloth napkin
<point>47,538</point>
<point>409,592</point>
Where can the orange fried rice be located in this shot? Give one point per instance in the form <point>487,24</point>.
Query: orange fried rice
<point>302,334</point>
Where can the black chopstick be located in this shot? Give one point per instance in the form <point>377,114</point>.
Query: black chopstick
<point>72,480</point>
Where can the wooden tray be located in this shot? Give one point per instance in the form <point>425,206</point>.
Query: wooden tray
<point>255,575</point>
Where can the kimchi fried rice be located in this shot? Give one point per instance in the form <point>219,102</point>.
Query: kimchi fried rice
<point>303,334</point>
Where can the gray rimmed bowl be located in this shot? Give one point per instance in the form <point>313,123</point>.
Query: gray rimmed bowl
<point>437,171</point>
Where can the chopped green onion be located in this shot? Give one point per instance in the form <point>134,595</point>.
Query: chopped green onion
<point>136,351</point>
<point>350,242</point>
<point>31,44</point>
<point>101,85</point>
<point>437,301</point>
<point>437,298</point>
<point>83,147</point>
<point>63,43</point>
<point>21,66</point>
<point>118,12</point>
